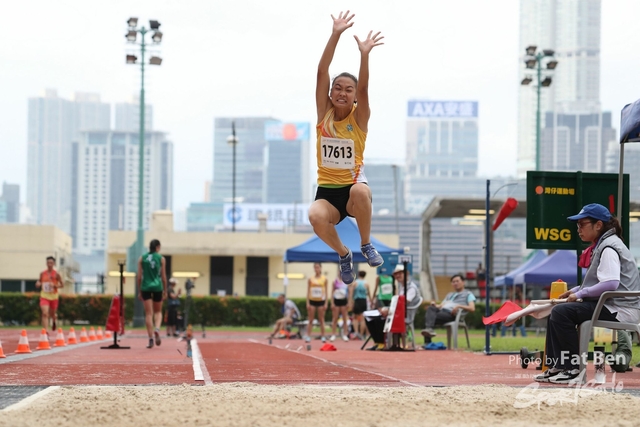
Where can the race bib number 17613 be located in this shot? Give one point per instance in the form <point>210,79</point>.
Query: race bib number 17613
<point>337,153</point>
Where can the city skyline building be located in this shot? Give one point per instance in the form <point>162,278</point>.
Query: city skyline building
<point>576,140</point>
<point>127,115</point>
<point>105,184</point>
<point>10,203</point>
<point>249,161</point>
<point>286,173</point>
<point>571,28</point>
<point>54,123</point>
<point>442,138</point>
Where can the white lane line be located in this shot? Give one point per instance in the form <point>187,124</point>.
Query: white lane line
<point>340,365</point>
<point>38,353</point>
<point>200,372</point>
<point>24,402</point>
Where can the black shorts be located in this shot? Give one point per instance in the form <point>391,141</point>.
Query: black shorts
<point>316,303</point>
<point>157,296</point>
<point>338,197</point>
<point>340,302</point>
<point>384,303</point>
<point>359,305</point>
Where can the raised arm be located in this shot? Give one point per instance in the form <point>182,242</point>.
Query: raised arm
<point>323,103</point>
<point>362,93</point>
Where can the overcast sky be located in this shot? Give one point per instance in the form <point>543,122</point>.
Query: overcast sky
<point>257,58</point>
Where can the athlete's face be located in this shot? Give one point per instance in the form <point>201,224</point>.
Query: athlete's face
<point>343,92</point>
<point>50,264</point>
<point>317,268</point>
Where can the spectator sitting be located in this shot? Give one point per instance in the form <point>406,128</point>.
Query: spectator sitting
<point>439,314</point>
<point>413,292</point>
<point>290,314</point>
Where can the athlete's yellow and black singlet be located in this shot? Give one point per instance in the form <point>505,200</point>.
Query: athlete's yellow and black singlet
<point>317,288</point>
<point>340,151</point>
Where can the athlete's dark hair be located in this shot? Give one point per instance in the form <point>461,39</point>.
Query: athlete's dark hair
<point>51,258</point>
<point>612,223</point>
<point>457,275</point>
<point>345,74</point>
<point>153,246</point>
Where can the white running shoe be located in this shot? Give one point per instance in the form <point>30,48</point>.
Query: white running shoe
<point>345,338</point>
<point>332,338</point>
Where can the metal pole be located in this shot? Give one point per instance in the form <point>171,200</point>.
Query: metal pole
<point>138,317</point>
<point>233,186</point>
<point>487,260</point>
<point>539,62</point>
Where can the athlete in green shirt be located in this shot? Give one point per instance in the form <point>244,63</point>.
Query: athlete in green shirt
<point>152,289</point>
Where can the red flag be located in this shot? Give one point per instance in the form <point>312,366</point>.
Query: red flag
<point>509,307</point>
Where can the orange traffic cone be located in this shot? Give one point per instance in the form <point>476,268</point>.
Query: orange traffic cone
<point>60,339</point>
<point>72,336</point>
<point>83,335</point>
<point>92,334</point>
<point>2,356</point>
<point>23,344</point>
<point>99,335</point>
<point>107,334</point>
<point>43,344</point>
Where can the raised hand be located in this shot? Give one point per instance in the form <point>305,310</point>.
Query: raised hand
<point>342,22</point>
<point>365,46</point>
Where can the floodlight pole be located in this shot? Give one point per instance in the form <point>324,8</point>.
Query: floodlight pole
<point>138,317</point>
<point>539,57</point>
<point>138,247</point>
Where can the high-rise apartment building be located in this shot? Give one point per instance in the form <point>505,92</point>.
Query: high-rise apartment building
<point>386,181</point>
<point>249,160</point>
<point>442,138</point>
<point>54,123</point>
<point>571,28</point>
<point>105,184</point>
<point>127,116</point>
<point>286,172</point>
<point>272,161</point>
<point>10,199</point>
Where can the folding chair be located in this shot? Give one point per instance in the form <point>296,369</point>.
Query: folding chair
<point>452,329</point>
<point>411,314</point>
<point>585,328</point>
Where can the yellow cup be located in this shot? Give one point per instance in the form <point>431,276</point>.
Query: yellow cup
<point>557,288</point>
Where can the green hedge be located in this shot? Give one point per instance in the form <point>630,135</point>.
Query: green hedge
<point>24,309</point>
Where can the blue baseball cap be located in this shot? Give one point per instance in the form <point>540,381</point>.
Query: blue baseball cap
<point>593,210</point>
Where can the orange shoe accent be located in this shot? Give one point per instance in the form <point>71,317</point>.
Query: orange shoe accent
<point>60,339</point>
<point>92,334</point>
<point>2,356</point>
<point>107,334</point>
<point>43,344</point>
<point>23,344</point>
<point>99,335</point>
<point>72,339</point>
<point>83,335</point>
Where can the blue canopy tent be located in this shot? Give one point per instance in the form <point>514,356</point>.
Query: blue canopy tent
<point>315,250</point>
<point>559,265</point>
<point>507,280</point>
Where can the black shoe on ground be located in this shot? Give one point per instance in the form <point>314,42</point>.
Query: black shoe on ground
<point>566,377</point>
<point>150,345</point>
<point>546,376</point>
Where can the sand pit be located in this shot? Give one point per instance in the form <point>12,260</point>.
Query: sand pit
<point>245,404</point>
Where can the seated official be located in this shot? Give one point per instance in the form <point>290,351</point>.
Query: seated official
<point>446,311</point>
<point>290,314</point>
